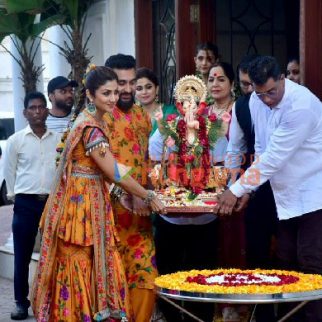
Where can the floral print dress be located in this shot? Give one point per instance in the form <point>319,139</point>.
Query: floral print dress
<point>80,274</point>
<point>129,135</point>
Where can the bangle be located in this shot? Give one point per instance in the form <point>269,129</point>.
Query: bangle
<point>116,193</point>
<point>149,197</point>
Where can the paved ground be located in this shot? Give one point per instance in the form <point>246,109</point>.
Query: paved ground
<point>5,223</point>
<point>7,301</point>
<point>6,286</point>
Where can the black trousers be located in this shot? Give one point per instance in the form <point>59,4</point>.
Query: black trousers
<point>299,248</point>
<point>185,247</point>
<point>261,225</point>
<point>27,213</point>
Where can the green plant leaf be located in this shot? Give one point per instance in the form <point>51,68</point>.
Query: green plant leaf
<point>9,24</point>
<point>38,28</point>
<point>196,162</point>
<point>213,134</point>
<point>72,9</point>
<point>198,150</point>
<point>191,196</point>
<point>25,25</point>
<point>17,6</point>
<point>2,36</point>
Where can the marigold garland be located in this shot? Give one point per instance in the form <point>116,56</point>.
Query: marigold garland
<point>293,282</point>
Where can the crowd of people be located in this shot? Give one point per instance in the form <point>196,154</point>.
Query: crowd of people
<point>105,233</point>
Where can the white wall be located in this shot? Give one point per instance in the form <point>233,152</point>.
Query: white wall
<point>111,23</point>
<point>6,97</point>
<point>55,63</point>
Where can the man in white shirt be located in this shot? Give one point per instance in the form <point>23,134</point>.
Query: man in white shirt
<point>61,95</point>
<point>287,120</point>
<point>260,215</point>
<point>29,169</point>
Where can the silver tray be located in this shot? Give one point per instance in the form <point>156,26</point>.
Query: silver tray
<point>240,298</point>
<point>190,210</point>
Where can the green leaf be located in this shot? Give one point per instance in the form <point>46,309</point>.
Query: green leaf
<point>148,269</point>
<point>72,9</point>
<point>192,196</point>
<point>213,132</point>
<point>26,22</point>
<point>17,6</point>
<point>3,7</point>
<point>198,150</point>
<point>196,162</point>
<point>2,36</point>
<point>38,28</point>
<point>19,24</point>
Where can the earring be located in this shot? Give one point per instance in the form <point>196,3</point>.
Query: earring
<point>91,107</point>
<point>156,100</point>
<point>138,103</point>
<point>232,93</point>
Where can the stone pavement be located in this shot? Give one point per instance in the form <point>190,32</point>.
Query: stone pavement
<point>7,301</point>
<point>6,286</point>
<point>5,223</point>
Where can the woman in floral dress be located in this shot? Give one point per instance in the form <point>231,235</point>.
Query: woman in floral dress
<point>80,276</point>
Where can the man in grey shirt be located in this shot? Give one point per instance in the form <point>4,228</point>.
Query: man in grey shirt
<point>61,95</point>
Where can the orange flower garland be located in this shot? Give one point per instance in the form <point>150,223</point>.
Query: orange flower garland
<point>184,281</point>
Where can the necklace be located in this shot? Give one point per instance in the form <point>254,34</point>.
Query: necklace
<point>220,110</point>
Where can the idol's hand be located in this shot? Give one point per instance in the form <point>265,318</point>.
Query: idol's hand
<point>158,116</point>
<point>192,123</point>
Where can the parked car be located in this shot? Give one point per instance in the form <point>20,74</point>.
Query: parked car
<point>6,129</point>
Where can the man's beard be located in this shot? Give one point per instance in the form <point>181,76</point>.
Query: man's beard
<point>125,105</point>
<point>63,106</point>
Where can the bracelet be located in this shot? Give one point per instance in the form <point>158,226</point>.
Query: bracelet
<point>148,199</point>
<point>116,193</point>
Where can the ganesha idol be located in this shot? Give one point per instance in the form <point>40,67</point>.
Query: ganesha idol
<point>189,140</point>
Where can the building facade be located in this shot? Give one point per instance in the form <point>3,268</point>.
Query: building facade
<point>163,34</point>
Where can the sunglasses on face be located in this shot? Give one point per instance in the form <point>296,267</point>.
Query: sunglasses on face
<point>272,93</point>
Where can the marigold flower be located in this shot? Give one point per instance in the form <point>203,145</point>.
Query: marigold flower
<point>281,281</point>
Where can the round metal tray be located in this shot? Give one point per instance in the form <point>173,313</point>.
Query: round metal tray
<point>240,298</point>
<point>190,210</point>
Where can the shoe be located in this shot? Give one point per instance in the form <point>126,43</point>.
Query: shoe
<point>19,313</point>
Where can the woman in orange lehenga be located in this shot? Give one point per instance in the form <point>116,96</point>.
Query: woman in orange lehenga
<point>80,276</point>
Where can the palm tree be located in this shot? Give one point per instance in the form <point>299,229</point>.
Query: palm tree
<point>23,32</point>
<point>70,15</point>
<point>18,18</point>
<point>74,14</point>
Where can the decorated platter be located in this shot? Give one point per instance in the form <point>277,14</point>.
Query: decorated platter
<point>180,200</point>
<point>240,286</point>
